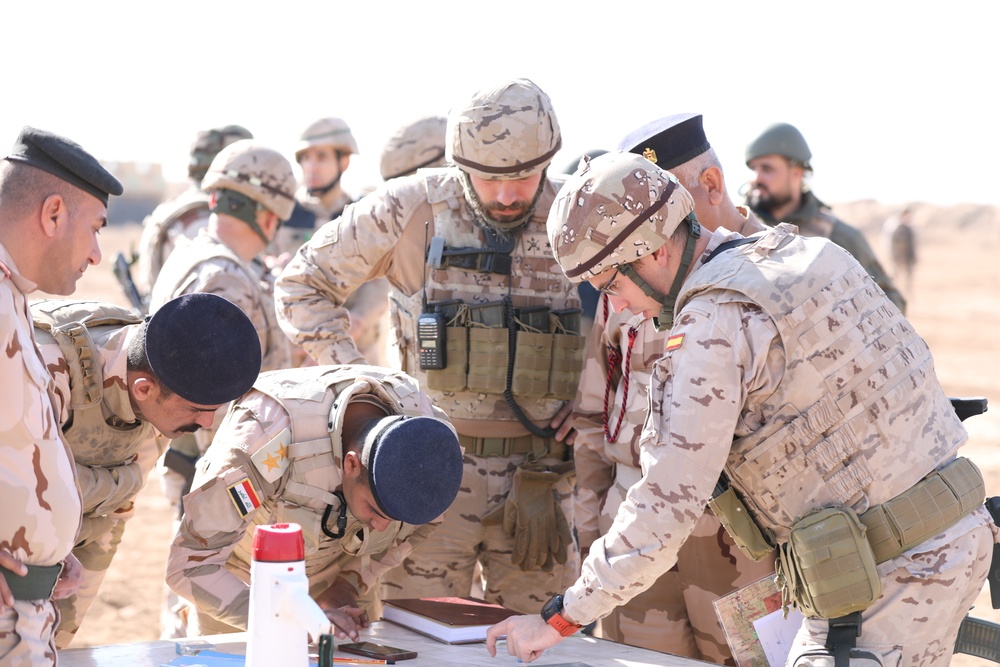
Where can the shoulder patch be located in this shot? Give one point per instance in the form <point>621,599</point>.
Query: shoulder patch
<point>244,496</point>
<point>675,342</point>
<point>272,459</point>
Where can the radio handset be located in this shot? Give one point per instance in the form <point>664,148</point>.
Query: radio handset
<point>431,324</point>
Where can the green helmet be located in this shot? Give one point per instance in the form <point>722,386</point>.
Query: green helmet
<point>260,173</point>
<point>504,131</point>
<point>414,146</point>
<point>615,209</point>
<point>780,139</point>
<point>207,145</point>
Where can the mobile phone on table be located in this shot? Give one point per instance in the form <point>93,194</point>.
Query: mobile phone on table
<point>373,650</point>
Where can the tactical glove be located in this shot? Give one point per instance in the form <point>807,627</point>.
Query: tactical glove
<point>533,518</point>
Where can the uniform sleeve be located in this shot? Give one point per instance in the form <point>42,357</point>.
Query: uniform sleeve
<point>215,521</point>
<point>697,393</point>
<point>854,242</point>
<point>362,244</point>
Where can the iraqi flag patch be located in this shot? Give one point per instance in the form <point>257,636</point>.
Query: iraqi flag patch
<point>244,497</point>
<point>675,342</point>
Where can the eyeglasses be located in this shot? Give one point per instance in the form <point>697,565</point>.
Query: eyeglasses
<point>608,289</point>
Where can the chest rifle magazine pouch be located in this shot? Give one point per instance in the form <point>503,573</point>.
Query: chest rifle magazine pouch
<point>827,567</point>
<point>456,344</point>
<point>488,348</point>
<point>568,348</point>
<point>533,352</point>
<point>740,525</point>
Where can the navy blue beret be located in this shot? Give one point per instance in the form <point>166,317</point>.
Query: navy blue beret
<point>66,159</point>
<point>668,142</point>
<point>203,348</point>
<point>414,467</point>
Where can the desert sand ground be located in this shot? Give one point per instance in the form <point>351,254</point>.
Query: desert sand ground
<point>955,306</point>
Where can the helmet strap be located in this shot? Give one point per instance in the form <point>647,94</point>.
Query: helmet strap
<point>665,320</point>
<point>321,191</point>
<point>238,205</point>
<point>476,204</point>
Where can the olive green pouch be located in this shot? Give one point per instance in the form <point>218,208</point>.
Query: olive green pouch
<point>740,525</point>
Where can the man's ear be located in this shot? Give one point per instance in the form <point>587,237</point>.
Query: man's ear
<point>144,388</point>
<point>345,162</point>
<point>352,464</point>
<point>54,215</point>
<point>712,182</point>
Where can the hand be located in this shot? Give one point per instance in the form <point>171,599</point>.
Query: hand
<point>340,594</point>
<point>527,637</point>
<point>563,421</point>
<point>346,622</point>
<point>70,579</point>
<point>15,566</point>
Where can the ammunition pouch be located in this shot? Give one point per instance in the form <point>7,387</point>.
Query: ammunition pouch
<point>735,518</point>
<point>533,445</point>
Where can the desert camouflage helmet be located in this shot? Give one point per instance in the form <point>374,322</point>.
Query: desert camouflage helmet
<point>504,131</point>
<point>414,146</point>
<point>262,174</point>
<point>615,209</point>
<point>207,145</point>
<point>780,139</point>
<point>327,132</point>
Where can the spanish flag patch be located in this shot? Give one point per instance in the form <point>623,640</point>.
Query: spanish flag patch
<point>675,342</point>
<point>244,496</point>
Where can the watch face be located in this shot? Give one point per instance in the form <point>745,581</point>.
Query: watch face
<point>552,607</point>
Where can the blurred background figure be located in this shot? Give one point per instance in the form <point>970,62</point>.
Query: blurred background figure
<point>416,145</point>
<point>780,159</point>
<point>901,242</point>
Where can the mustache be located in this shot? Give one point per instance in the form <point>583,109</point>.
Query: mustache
<point>188,428</point>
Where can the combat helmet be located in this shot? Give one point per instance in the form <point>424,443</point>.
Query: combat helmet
<point>504,131</point>
<point>327,132</point>
<point>780,139</point>
<point>414,146</point>
<point>207,145</point>
<point>260,174</point>
<point>614,210</point>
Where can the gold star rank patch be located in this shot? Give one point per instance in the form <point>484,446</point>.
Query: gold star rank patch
<point>244,496</point>
<point>272,459</point>
<point>675,342</point>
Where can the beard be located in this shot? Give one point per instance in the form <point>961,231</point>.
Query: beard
<point>762,200</point>
<point>500,213</point>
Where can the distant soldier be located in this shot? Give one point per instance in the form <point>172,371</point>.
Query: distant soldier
<point>185,215</point>
<point>122,387</point>
<point>53,203</point>
<point>675,614</point>
<point>779,193</point>
<point>465,249</point>
<point>902,241</point>
<point>416,145</point>
<point>356,455</point>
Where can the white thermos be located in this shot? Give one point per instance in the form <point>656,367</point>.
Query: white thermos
<point>281,612</point>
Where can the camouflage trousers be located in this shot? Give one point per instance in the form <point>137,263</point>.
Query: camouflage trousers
<point>924,599</point>
<point>444,564</point>
<point>676,615</point>
<point>26,634</point>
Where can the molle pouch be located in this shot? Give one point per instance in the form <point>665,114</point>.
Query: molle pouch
<point>827,567</point>
<point>740,525</point>
<point>453,376</point>
<point>489,348</point>
<point>532,353</point>
<point>568,349</point>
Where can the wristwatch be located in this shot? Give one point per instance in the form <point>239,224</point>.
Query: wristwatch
<point>552,614</point>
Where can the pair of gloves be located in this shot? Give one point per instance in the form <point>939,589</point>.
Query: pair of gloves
<point>531,515</point>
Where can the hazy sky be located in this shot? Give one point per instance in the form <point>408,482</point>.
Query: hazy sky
<point>896,99</point>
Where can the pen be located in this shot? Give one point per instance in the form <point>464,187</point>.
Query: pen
<point>362,661</point>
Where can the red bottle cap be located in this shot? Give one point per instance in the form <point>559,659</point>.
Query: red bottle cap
<point>278,543</point>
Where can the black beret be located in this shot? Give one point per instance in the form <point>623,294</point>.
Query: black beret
<point>203,348</point>
<point>414,467</point>
<point>669,141</point>
<point>66,159</point>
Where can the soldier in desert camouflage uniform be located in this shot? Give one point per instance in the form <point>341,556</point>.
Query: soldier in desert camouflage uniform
<point>356,455</point>
<point>476,230</point>
<point>675,614</point>
<point>416,145</point>
<point>122,387</point>
<point>789,380</point>
<point>53,203</point>
<point>185,215</point>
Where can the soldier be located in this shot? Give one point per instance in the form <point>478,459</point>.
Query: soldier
<point>475,232</point>
<point>790,386</point>
<point>902,241</point>
<point>416,145</point>
<point>779,193</point>
<point>356,455</point>
<point>53,203</point>
<point>252,191</point>
<point>675,614</point>
<point>123,385</point>
<point>185,215</point>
